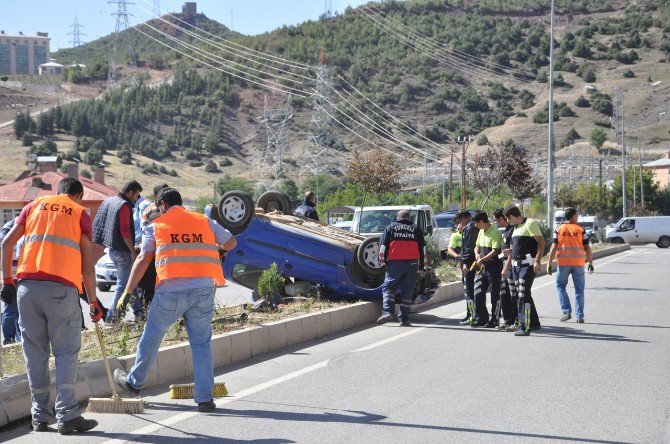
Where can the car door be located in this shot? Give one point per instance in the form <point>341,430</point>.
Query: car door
<point>310,259</point>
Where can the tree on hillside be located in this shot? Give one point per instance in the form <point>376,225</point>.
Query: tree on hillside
<point>488,171</point>
<point>376,172</point>
<point>598,138</point>
<point>520,178</point>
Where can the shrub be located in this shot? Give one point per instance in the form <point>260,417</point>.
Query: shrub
<point>582,102</point>
<point>270,282</point>
<point>225,162</point>
<point>603,104</point>
<point>482,140</point>
<point>86,173</point>
<point>629,74</point>
<point>210,167</point>
<point>4,78</point>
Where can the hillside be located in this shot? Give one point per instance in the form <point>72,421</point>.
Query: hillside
<point>470,68</point>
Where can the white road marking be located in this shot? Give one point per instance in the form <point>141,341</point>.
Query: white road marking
<point>152,428</point>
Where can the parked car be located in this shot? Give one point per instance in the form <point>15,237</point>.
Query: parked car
<point>371,221</point>
<point>105,272</point>
<point>444,227</point>
<point>303,249</point>
<point>344,225</point>
<point>641,230</point>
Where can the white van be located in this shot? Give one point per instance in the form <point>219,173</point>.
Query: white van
<point>372,221</point>
<point>590,225</point>
<point>641,230</point>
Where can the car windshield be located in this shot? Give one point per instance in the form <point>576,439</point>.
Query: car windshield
<point>374,221</point>
<point>588,225</point>
<point>445,222</point>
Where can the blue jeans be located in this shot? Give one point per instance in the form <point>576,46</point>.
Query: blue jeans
<point>399,281</point>
<point>561,283</point>
<point>196,306</point>
<point>123,262</point>
<point>10,324</point>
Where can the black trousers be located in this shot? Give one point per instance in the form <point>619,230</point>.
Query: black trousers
<point>523,277</point>
<point>147,285</point>
<point>508,301</point>
<point>469,286</point>
<point>489,277</point>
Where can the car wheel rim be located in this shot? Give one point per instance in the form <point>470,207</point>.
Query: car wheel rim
<point>233,209</point>
<point>371,255</point>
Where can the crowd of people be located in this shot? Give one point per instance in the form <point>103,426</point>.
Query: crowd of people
<point>502,260</point>
<point>165,256</point>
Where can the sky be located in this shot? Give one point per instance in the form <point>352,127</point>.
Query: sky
<point>57,16</point>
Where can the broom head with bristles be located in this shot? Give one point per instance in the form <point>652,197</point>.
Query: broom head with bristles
<point>187,391</point>
<point>115,405</point>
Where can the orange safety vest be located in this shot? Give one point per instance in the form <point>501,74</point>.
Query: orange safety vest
<point>52,236</point>
<point>186,247</point>
<point>570,248</point>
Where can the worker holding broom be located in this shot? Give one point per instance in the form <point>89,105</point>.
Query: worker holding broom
<point>185,247</point>
<point>57,255</point>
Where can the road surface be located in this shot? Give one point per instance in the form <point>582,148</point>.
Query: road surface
<point>604,381</point>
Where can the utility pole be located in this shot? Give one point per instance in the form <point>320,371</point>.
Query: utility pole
<point>328,9</point>
<point>550,147</point>
<point>76,40</point>
<point>639,156</point>
<point>600,184</point>
<point>121,25</point>
<point>465,141</point>
<point>451,176</point>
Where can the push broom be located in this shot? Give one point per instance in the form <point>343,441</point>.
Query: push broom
<point>115,404</point>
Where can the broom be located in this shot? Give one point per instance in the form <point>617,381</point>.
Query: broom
<point>187,391</point>
<point>115,404</point>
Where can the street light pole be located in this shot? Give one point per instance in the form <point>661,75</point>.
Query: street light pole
<point>465,141</point>
<point>550,146</point>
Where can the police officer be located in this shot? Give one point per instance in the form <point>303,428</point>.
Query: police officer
<point>524,261</point>
<point>308,207</point>
<point>508,300</point>
<point>489,267</point>
<point>402,249</point>
<point>469,233</point>
<point>455,243</point>
<point>57,254</point>
<point>571,248</point>
<point>185,246</point>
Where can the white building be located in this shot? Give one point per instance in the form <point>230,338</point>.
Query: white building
<point>23,54</point>
<point>50,68</point>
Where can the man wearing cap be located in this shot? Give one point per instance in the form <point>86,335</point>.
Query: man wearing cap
<point>402,249</point>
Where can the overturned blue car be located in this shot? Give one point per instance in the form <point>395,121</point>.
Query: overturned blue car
<point>345,263</point>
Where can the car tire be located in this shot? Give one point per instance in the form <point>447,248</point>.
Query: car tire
<point>617,240</point>
<point>235,210</point>
<point>104,287</point>
<point>367,256</point>
<point>274,200</point>
<point>663,242</point>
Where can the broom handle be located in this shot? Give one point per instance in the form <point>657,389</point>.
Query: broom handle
<point>104,358</point>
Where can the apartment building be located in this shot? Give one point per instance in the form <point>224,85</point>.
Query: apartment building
<point>23,54</point>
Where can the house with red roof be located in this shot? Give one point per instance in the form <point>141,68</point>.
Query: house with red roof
<point>43,180</point>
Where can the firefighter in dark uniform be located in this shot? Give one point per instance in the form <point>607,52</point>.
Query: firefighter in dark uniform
<point>469,233</point>
<point>488,267</point>
<point>527,251</point>
<point>508,300</point>
<point>402,249</point>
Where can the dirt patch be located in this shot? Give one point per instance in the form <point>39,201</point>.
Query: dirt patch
<point>122,339</point>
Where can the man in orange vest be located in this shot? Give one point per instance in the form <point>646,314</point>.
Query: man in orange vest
<point>57,254</point>
<point>185,246</point>
<point>571,249</point>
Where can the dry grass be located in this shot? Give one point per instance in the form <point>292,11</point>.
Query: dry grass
<point>122,339</point>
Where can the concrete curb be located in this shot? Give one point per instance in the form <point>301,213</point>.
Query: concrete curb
<point>175,362</point>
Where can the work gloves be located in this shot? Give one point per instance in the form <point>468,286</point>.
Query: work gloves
<point>590,268</point>
<point>549,270</point>
<point>95,311</point>
<point>125,298</point>
<point>8,293</point>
